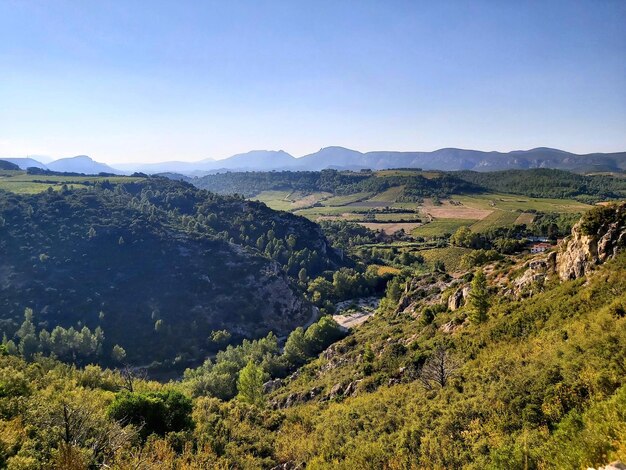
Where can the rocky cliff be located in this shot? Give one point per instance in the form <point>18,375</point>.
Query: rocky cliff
<point>596,238</point>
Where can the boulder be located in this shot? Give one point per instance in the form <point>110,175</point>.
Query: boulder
<point>457,299</point>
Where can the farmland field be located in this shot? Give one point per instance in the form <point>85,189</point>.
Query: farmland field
<point>390,227</point>
<point>451,256</point>
<point>22,183</point>
<point>480,212</point>
<point>343,200</point>
<point>511,202</point>
<point>494,220</point>
<point>289,200</point>
<point>525,219</point>
<point>390,195</point>
<point>441,226</point>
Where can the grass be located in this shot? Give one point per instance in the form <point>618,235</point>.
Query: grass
<point>525,219</point>
<point>289,200</point>
<point>22,183</point>
<point>389,195</point>
<point>451,256</point>
<point>396,217</point>
<point>382,270</point>
<point>440,226</point>
<point>494,220</point>
<point>343,200</point>
<point>512,202</point>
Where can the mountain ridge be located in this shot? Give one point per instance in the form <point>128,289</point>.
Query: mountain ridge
<point>342,158</point>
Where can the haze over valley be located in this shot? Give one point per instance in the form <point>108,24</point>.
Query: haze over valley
<point>370,309</point>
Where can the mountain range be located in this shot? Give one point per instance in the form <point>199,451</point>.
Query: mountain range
<point>448,159</point>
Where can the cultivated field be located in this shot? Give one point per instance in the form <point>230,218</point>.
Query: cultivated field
<point>425,218</point>
<point>391,227</point>
<point>21,183</point>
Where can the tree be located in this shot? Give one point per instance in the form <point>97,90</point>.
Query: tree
<point>27,328</point>
<point>220,337</point>
<point>438,368</point>
<point>28,346</point>
<point>302,276</point>
<point>439,266</point>
<point>250,384</point>
<point>368,359</point>
<point>465,237</point>
<point>479,298</point>
<point>118,353</point>
<point>322,334</point>
<point>153,412</point>
<point>394,290</point>
<point>295,347</point>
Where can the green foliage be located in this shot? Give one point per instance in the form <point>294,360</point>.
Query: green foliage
<point>416,185</point>
<point>153,412</point>
<point>250,384</point>
<point>296,347</point>
<point>218,378</point>
<point>344,234</point>
<point>479,257</point>
<point>465,238</point>
<point>479,298</point>
<point>196,247</point>
<point>548,183</point>
<point>320,335</point>
<point>118,354</point>
<point>594,219</point>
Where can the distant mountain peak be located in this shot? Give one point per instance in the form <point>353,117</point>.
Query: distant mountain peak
<point>81,164</point>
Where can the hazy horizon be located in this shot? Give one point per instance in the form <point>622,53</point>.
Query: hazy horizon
<point>49,158</point>
<point>123,83</point>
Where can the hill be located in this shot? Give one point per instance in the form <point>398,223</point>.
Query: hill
<point>534,183</point>
<point>156,264</point>
<point>25,163</point>
<point>515,366</point>
<point>81,164</point>
<point>5,165</point>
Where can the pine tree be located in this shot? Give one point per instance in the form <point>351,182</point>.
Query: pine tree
<point>479,298</point>
<point>250,384</point>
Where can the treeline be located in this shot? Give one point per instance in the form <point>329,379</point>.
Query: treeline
<point>545,183</point>
<point>345,284</point>
<point>416,186</point>
<point>549,183</point>
<point>263,359</point>
<point>343,234</point>
<point>72,345</point>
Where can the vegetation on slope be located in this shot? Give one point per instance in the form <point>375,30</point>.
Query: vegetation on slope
<point>156,264</point>
<point>415,184</point>
<point>548,183</point>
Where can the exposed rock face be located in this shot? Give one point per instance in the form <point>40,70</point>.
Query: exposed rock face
<point>535,275</point>
<point>582,251</point>
<point>617,465</point>
<point>422,290</point>
<point>456,300</point>
<point>272,385</point>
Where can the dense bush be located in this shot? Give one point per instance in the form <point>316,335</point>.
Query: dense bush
<point>153,412</point>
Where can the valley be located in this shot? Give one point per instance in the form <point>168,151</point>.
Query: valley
<point>345,320</point>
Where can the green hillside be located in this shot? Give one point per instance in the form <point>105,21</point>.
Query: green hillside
<point>156,264</point>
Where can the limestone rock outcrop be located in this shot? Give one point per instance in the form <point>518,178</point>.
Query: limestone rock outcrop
<point>593,243</point>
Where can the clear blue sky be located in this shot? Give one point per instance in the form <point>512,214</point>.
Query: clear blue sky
<point>160,80</point>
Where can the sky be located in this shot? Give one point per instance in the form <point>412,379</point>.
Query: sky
<point>146,81</point>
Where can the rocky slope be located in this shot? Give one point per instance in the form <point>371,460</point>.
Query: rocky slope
<point>597,238</point>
